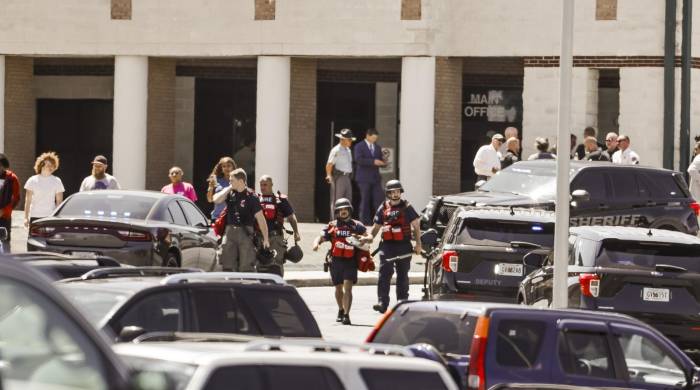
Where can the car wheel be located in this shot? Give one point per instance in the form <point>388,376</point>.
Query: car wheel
<point>171,260</point>
<point>521,300</point>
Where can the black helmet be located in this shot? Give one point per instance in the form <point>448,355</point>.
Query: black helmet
<point>265,256</point>
<point>393,185</point>
<point>294,254</point>
<point>343,203</point>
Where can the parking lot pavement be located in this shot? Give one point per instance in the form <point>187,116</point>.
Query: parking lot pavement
<point>323,306</point>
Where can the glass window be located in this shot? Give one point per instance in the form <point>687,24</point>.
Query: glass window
<point>159,312</point>
<point>648,363</point>
<point>279,312</point>
<point>178,217</point>
<point>194,216</point>
<point>237,377</point>
<point>40,347</point>
<point>94,304</point>
<point>586,353</point>
<point>270,377</point>
<point>503,232</point>
<point>594,183</point>
<point>381,379</point>
<point>538,183</point>
<point>518,342</point>
<point>624,184</point>
<point>180,373</point>
<point>447,332</point>
<point>216,311</point>
<point>649,254</point>
<point>100,205</point>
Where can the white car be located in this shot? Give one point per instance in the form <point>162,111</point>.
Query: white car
<point>287,365</point>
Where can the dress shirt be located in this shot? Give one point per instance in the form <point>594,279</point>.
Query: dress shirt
<point>626,157</point>
<point>487,158</point>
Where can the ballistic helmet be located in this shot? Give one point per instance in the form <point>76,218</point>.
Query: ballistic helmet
<point>393,185</point>
<point>294,254</point>
<point>266,256</point>
<point>342,203</point>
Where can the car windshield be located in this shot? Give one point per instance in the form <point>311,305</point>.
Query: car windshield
<point>649,254</point>
<point>94,304</point>
<point>100,205</point>
<point>538,183</point>
<point>180,373</point>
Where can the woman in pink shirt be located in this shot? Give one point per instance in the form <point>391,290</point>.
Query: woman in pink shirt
<point>179,187</point>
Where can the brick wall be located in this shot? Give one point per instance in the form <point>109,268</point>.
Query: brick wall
<point>121,9</point>
<point>410,9</point>
<point>160,144</point>
<point>264,9</point>
<point>302,133</point>
<point>448,125</point>
<point>20,116</point>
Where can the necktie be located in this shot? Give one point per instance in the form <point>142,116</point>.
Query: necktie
<point>371,149</point>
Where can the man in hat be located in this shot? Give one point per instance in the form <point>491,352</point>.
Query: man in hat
<point>339,168</point>
<point>488,159</point>
<point>99,179</point>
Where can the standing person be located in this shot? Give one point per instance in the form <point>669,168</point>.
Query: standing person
<point>625,155</point>
<point>243,211</point>
<point>611,143</point>
<point>44,190</point>
<point>593,151</point>
<point>694,173</point>
<point>218,180</point>
<point>339,168</point>
<point>343,264</point>
<point>581,150</point>
<point>99,179</point>
<point>178,186</point>
<point>395,218</point>
<point>543,153</point>
<point>512,153</point>
<point>9,198</point>
<point>368,157</point>
<point>276,208</point>
<point>508,133</point>
<point>488,160</point>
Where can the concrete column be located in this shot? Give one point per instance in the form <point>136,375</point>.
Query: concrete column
<point>417,125</point>
<point>2,103</point>
<point>386,122</point>
<point>130,121</point>
<point>272,120</point>
<point>584,100</point>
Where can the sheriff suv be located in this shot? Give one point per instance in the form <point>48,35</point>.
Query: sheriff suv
<point>480,256</point>
<point>602,194</point>
<point>653,275</point>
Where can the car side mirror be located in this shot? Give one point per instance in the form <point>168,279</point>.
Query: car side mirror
<point>152,380</point>
<point>129,333</point>
<point>429,238</point>
<point>534,259</point>
<point>580,196</point>
<point>479,184</point>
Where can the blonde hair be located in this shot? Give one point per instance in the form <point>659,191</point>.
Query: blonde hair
<point>41,160</point>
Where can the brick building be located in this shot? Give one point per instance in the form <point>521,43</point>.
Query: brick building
<point>152,84</point>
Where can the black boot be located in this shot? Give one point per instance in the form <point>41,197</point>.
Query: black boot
<point>341,316</point>
<point>380,308</point>
<point>346,320</point>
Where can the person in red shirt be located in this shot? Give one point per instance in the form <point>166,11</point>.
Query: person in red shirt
<point>178,186</point>
<point>9,198</point>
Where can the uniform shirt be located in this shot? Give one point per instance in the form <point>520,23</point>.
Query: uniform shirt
<point>181,188</point>
<point>598,155</point>
<point>486,159</point>
<point>221,183</point>
<point>341,158</point>
<point>356,227</point>
<point>284,208</point>
<point>108,182</point>
<point>626,157</point>
<point>44,190</point>
<point>509,159</point>
<point>542,156</point>
<point>694,173</point>
<point>242,207</point>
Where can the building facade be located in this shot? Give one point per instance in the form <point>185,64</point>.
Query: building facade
<point>152,84</point>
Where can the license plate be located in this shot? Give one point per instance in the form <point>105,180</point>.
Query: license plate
<point>84,255</point>
<point>507,269</point>
<point>656,294</point>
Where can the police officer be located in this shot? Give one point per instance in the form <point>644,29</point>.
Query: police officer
<point>343,263</point>
<point>395,218</point>
<point>339,168</point>
<point>276,208</point>
<point>243,211</point>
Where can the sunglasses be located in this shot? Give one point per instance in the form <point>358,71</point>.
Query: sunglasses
<point>175,173</point>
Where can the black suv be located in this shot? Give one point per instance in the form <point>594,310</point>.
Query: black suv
<point>480,255</point>
<point>602,193</point>
<point>650,274</point>
<point>127,303</point>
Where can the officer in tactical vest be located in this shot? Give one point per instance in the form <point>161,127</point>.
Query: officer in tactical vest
<point>395,219</point>
<point>343,265</point>
<point>276,208</point>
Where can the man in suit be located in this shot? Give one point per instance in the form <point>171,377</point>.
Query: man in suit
<point>369,157</point>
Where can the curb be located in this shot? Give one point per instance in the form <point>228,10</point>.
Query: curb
<point>362,280</point>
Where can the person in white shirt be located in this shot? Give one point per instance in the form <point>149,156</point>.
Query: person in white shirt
<point>625,155</point>
<point>694,173</point>
<point>488,159</point>
<point>44,190</point>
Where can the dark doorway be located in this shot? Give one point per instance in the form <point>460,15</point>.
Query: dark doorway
<point>340,105</point>
<point>77,130</point>
<point>224,121</point>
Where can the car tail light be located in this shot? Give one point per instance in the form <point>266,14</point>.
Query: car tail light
<point>477,362</point>
<point>42,231</point>
<point>590,285</point>
<point>378,326</point>
<point>450,261</point>
<point>696,208</point>
<point>132,235</point>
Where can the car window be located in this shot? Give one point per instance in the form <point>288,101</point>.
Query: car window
<point>382,379</point>
<point>648,254</point>
<point>595,183</point>
<point>178,217</point>
<point>478,231</point>
<point>216,311</point>
<point>94,304</point>
<point>157,312</point>
<point>279,312</point>
<point>100,205</point>
<point>536,182</point>
<point>586,354</point>
<point>274,377</point>
<point>624,184</point>
<point>518,342</point>
<point>180,373</point>
<point>448,332</point>
<point>41,347</point>
<point>648,363</point>
<point>660,186</point>
<point>194,216</point>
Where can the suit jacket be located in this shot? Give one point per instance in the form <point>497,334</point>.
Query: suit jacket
<point>365,170</point>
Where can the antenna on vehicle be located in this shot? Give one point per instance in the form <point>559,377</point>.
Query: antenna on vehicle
<point>512,210</point>
<point>649,233</point>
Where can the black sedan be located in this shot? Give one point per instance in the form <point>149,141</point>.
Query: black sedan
<point>141,228</point>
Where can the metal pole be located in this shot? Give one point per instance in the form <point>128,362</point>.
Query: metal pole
<point>669,83</point>
<point>561,231</point>
<point>686,57</point>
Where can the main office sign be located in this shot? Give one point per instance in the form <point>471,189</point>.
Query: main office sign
<point>493,105</point>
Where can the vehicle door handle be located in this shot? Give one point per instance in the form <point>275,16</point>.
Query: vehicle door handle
<point>603,207</point>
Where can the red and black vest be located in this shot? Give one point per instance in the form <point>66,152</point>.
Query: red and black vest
<point>270,209</point>
<point>339,234</point>
<point>395,227</point>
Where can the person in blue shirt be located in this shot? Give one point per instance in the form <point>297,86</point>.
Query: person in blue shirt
<point>218,180</point>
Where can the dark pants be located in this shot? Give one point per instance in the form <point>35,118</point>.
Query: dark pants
<point>482,177</point>
<point>386,271</point>
<point>371,196</point>
<point>7,224</point>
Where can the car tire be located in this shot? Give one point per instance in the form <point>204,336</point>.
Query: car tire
<point>171,260</point>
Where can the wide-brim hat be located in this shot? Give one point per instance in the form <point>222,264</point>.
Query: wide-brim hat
<point>345,133</point>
